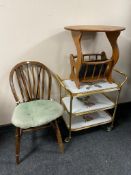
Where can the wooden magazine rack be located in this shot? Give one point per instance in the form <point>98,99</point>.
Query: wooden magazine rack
<point>93,67</point>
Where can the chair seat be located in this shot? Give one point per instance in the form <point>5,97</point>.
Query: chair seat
<point>36,113</point>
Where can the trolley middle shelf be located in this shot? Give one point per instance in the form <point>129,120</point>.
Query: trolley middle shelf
<point>96,102</point>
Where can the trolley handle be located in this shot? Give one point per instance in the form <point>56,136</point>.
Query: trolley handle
<point>60,81</point>
<point>123,75</point>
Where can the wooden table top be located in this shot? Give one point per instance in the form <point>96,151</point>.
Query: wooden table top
<point>94,28</point>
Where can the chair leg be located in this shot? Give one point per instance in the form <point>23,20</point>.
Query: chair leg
<point>18,135</point>
<point>58,135</point>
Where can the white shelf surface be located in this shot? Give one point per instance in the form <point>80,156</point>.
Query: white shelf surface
<point>87,121</point>
<point>86,87</point>
<point>99,101</point>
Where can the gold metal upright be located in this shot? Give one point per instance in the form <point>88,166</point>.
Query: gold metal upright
<point>70,119</point>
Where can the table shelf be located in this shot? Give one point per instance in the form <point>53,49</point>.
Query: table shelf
<point>87,121</point>
<point>90,88</point>
<point>97,102</point>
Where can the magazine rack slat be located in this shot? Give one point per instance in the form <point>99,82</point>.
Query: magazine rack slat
<point>99,69</point>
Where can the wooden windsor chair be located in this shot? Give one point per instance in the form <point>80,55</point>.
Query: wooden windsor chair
<point>31,84</point>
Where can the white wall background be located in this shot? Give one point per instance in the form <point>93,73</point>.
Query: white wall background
<point>34,30</point>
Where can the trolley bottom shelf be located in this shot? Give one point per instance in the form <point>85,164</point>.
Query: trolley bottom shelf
<point>87,121</point>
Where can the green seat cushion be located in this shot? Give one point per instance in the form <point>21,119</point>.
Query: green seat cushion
<point>36,113</point>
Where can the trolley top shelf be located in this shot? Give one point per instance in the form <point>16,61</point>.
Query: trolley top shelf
<point>89,89</point>
<point>95,28</point>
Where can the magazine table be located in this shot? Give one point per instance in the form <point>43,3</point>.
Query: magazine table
<point>101,65</point>
<point>80,115</point>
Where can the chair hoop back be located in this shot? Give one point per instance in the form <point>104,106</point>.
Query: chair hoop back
<point>30,80</point>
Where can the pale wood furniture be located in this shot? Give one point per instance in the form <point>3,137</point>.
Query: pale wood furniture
<point>31,84</point>
<point>100,67</point>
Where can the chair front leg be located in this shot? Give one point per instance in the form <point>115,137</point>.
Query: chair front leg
<point>58,135</point>
<point>18,136</point>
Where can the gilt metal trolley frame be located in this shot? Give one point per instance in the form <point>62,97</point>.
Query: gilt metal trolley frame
<point>69,93</point>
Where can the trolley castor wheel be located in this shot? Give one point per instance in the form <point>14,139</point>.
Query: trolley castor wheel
<point>109,128</point>
<point>67,139</point>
